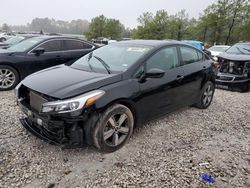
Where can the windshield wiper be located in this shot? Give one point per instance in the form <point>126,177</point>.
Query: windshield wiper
<point>246,49</point>
<point>239,50</point>
<point>105,65</point>
<point>89,57</point>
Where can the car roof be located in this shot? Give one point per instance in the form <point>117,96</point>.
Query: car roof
<point>45,37</point>
<point>153,43</point>
<point>243,42</point>
<point>192,41</point>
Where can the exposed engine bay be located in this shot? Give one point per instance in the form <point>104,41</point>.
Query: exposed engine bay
<point>234,67</point>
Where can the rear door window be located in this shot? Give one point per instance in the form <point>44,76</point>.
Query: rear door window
<point>75,45</point>
<point>52,46</point>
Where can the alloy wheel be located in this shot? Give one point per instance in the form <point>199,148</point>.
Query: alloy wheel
<point>208,95</point>
<point>7,78</point>
<point>116,130</point>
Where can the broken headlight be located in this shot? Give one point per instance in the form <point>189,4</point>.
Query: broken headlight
<point>74,104</point>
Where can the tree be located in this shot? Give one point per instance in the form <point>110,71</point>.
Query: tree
<point>103,27</point>
<point>152,26</point>
<point>6,28</point>
<point>235,7</point>
<point>113,29</point>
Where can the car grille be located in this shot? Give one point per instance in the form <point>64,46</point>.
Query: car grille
<point>226,78</point>
<point>36,101</point>
<point>31,99</point>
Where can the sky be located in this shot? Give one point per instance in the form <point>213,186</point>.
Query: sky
<point>17,12</point>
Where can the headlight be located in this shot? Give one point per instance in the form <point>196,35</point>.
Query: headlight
<point>73,104</point>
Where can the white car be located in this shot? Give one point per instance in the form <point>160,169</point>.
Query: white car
<point>217,49</point>
<point>5,36</point>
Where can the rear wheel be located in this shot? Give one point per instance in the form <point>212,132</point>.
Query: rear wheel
<point>9,78</point>
<point>113,129</point>
<point>206,96</point>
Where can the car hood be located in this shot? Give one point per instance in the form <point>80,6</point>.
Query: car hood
<point>64,82</point>
<point>5,52</point>
<point>235,57</point>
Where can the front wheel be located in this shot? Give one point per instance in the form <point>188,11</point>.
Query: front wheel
<point>206,95</point>
<point>2,39</point>
<point>9,78</point>
<point>114,128</point>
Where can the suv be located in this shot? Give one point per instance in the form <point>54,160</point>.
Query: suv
<point>234,71</point>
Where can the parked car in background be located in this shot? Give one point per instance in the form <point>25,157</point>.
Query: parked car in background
<point>37,53</point>
<point>5,36</point>
<point>15,40</point>
<point>105,94</point>
<point>198,44</point>
<point>234,71</point>
<point>216,50</point>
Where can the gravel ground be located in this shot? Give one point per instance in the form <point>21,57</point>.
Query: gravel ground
<point>173,151</point>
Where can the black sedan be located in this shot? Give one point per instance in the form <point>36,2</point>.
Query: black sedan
<point>37,53</point>
<point>104,95</point>
<point>234,71</point>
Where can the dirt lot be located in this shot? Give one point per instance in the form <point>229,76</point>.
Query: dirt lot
<point>171,152</point>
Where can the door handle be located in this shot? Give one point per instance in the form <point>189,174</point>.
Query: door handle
<point>179,77</point>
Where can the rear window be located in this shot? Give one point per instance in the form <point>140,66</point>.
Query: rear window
<point>75,45</point>
<point>52,46</point>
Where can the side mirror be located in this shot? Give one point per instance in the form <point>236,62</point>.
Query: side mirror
<point>39,51</point>
<point>154,73</point>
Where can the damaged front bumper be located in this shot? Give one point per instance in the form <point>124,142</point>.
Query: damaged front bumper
<point>229,81</point>
<point>65,131</point>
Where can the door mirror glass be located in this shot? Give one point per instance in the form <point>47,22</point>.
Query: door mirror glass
<point>154,73</point>
<point>39,51</point>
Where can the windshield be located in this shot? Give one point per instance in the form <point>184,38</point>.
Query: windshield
<point>239,49</point>
<point>111,58</point>
<point>218,49</point>
<point>25,45</point>
<point>15,40</point>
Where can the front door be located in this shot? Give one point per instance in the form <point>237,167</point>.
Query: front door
<point>161,95</point>
<point>52,56</point>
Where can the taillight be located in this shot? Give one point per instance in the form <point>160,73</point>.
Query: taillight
<point>216,65</point>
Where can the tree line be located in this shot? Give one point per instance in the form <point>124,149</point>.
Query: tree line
<point>223,22</point>
<point>51,26</point>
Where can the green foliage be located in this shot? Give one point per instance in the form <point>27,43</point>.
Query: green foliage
<point>103,27</point>
<point>224,22</point>
<point>54,26</point>
<point>152,27</point>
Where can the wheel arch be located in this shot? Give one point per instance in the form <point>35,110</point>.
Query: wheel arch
<point>126,102</point>
<point>12,66</point>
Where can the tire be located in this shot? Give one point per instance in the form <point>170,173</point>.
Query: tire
<point>245,88</point>
<point>9,78</point>
<point>206,96</point>
<point>113,129</point>
<point>2,39</point>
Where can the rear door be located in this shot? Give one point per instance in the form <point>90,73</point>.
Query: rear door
<point>194,67</point>
<point>161,95</point>
<point>74,49</point>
